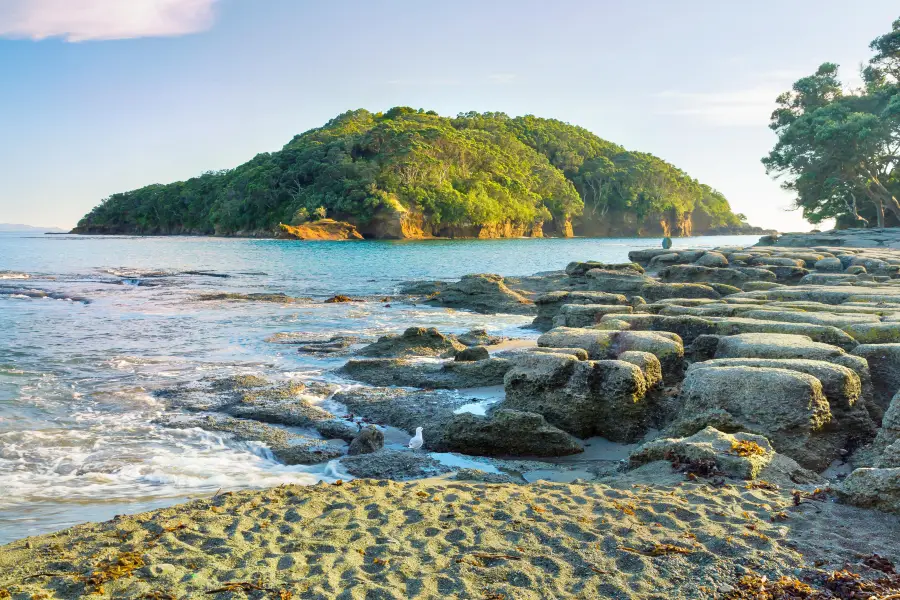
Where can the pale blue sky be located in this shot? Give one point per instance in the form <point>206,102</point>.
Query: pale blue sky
<point>206,84</point>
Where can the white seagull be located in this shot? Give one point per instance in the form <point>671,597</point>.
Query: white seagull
<point>416,442</point>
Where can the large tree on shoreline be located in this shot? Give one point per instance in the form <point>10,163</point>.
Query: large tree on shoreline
<point>840,151</point>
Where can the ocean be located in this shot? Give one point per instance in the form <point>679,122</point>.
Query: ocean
<point>91,326</point>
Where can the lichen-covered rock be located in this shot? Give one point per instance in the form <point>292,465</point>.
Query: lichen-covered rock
<point>415,341</point>
<point>740,455</point>
<point>884,366</point>
<point>370,439</point>
<point>579,269</point>
<point>645,255</point>
<point>549,304</point>
<point>654,292</point>
<point>829,264</point>
<point>472,354</point>
<point>890,458</point>
<point>830,319</point>
<point>583,398</point>
<point>872,488</point>
<point>686,327</point>
<point>875,333</point>
<point>712,259</point>
<point>776,261</point>
<point>579,353</point>
<point>483,293</point>
<point>600,344</point>
<point>506,432</point>
<point>700,274</point>
<point>826,334</point>
<point>889,434</point>
<point>754,286</point>
<point>784,274</point>
<point>841,385</point>
<point>649,364</point>
<point>617,282</point>
<point>585,315</point>
<point>787,407</point>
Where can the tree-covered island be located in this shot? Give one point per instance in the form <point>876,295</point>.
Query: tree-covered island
<point>409,173</point>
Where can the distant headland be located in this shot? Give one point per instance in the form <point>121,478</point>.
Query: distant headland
<point>412,174</point>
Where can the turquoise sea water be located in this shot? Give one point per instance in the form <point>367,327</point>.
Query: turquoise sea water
<point>91,326</point>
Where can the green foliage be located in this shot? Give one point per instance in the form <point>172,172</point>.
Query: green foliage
<point>475,169</point>
<point>839,151</point>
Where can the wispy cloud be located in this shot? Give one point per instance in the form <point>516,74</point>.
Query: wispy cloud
<point>748,106</point>
<point>426,81</point>
<point>502,78</point>
<point>83,20</point>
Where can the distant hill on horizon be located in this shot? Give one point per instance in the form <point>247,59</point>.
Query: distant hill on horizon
<point>11,227</point>
<point>410,173</point>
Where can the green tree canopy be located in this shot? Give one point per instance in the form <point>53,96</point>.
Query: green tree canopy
<point>475,169</point>
<point>838,151</point>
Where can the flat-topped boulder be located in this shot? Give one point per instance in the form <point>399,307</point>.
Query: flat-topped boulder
<point>787,407</point>
<point>690,327</point>
<point>700,274</point>
<point>579,269</point>
<point>842,388</point>
<point>549,304</point>
<point>601,344</point>
<point>712,259</point>
<point>585,315</point>
<point>583,398</point>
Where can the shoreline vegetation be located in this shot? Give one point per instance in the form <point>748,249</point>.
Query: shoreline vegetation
<point>412,174</point>
<point>703,423</point>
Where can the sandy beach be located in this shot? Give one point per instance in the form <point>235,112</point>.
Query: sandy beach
<point>649,534</point>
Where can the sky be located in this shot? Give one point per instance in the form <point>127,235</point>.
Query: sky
<point>103,96</point>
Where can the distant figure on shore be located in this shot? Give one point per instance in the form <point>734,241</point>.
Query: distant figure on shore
<point>416,442</point>
<point>667,243</point>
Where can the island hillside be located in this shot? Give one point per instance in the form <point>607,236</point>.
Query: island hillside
<point>410,173</point>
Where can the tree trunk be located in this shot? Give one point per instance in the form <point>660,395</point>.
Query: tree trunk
<point>854,210</point>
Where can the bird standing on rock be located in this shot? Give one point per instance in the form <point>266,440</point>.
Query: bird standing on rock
<point>416,442</point>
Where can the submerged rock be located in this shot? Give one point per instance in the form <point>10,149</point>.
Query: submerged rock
<point>368,440</point>
<point>415,341</point>
<point>399,465</point>
<point>290,448</point>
